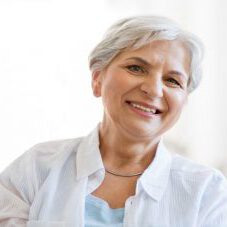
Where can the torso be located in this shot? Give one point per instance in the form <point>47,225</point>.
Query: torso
<point>115,190</point>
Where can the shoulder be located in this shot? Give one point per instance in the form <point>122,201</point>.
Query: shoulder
<point>47,155</point>
<point>40,159</point>
<point>29,171</point>
<point>195,177</point>
<point>54,148</point>
<point>184,167</point>
<point>206,185</point>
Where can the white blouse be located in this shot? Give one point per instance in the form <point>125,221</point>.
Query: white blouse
<point>47,187</point>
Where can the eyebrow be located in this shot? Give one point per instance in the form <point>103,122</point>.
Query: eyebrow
<point>174,72</point>
<point>143,61</point>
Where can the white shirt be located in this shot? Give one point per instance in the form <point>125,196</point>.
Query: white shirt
<point>47,186</point>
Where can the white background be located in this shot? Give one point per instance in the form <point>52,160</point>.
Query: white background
<point>45,91</point>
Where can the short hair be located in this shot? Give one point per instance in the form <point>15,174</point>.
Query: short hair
<point>135,32</point>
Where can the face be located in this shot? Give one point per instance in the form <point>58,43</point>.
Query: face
<point>144,90</point>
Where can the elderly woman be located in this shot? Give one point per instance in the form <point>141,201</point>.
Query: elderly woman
<point>121,174</point>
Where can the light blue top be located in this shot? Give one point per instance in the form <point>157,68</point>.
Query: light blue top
<point>98,213</point>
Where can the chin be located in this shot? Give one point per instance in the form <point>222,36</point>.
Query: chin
<point>142,130</point>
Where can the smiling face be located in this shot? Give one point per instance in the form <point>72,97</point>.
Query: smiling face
<point>144,90</point>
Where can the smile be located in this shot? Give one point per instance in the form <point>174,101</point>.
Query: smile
<point>148,110</point>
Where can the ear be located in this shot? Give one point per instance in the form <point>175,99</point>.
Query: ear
<point>96,83</point>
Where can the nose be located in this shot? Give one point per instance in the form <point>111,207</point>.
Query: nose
<point>152,87</point>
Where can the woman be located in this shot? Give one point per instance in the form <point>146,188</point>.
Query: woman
<point>121,174</point>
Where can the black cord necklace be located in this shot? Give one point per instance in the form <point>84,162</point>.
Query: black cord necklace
<point>123,175</point>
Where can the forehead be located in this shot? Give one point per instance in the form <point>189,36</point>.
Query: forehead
<point>161,52</point>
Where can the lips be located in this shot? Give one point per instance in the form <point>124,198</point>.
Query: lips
<point>146,108</point>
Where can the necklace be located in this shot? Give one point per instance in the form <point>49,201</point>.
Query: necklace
<point>124,175</point>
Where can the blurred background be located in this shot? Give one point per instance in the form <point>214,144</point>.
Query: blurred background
<point>45,91</point>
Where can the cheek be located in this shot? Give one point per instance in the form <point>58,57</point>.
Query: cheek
<point>176,102</point>
<point>117,82</point>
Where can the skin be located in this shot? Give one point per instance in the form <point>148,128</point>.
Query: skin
<point>157,75</point>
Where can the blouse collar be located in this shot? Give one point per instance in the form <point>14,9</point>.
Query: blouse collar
<point>154,180</point>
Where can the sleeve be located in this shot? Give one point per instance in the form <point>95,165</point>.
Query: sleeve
<point>213,211</point>
<point>17,190</point>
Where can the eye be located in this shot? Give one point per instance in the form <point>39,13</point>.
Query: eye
<point>173,82</point>
<point>136,69</point>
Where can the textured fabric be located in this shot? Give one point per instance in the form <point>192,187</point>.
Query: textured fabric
<point>47,187</point>
<point>99,214</point>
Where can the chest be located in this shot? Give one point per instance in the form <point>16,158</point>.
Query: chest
<point>116,190</point>
<point>51,209</point>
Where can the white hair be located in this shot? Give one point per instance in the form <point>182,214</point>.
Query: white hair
<point>135,32</point>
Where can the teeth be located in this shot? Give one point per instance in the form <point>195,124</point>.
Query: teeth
<point>146,109</point>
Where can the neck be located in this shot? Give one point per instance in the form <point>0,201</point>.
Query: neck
<point>124,152</point>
